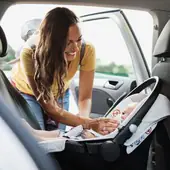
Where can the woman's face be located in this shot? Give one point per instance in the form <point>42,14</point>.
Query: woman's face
<point>73,42</point>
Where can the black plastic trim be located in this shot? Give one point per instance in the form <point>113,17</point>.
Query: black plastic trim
<point>4,43</point>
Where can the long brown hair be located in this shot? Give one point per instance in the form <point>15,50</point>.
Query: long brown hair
<point>50,63</point>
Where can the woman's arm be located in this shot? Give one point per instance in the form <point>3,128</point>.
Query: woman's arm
<point>45,135</point>
<point>87,70</point>
<point>85,92</point>
<point>101,125</point>
<point>41,134</point>
<point>55,111</point>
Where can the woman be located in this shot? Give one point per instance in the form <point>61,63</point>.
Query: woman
<point>46,68</point>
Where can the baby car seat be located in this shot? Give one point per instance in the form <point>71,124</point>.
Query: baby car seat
<point>128,146</point>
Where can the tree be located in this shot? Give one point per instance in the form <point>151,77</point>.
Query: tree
<point>10,56</point>
<point>113,69</point>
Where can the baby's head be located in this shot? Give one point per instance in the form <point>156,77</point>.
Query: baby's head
<point>128,110</point>
<point>118,115</point>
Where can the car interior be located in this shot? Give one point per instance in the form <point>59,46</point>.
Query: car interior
<point>152,153</point>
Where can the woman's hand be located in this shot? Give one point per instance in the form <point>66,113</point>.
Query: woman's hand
<point>103,126</point>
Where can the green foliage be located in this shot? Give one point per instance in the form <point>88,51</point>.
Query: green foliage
<point>110,69</point>
<point>113,69</point>
<point>10,56</point>
<point>7,67</point>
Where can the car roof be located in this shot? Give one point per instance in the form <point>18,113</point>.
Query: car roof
<point>138,4</point>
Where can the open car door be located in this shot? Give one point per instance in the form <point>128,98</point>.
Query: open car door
<point>120,63</point>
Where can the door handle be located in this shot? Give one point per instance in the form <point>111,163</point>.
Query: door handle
<point>110,102</point>
<point>114,85</point>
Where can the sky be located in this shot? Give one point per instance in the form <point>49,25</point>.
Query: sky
<point>104,35</point>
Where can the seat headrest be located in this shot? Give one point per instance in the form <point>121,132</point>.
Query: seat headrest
<point>3,43</point>
<point>162,47</point>
<point>29,28</point>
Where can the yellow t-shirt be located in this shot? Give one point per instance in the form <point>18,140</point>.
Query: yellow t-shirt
<point>25,67</point>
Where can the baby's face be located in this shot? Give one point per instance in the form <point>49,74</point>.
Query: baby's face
<point>128,110</point>
<point>122,116</point>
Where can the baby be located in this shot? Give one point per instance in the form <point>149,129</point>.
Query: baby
<point>86,134</point>
<point>117,115</point>
<point>122,116</point>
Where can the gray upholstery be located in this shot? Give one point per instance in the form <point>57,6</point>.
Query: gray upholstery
<point>29,28</point>
<point>162,69</point>
<point>1,47</point>
<point>16,102</point>
<point>162,47</point>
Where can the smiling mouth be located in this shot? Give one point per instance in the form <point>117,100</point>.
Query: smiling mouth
<point>72,54</point>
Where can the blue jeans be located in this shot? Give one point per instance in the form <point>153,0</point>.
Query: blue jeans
<point>38,111</point>
<point>65,106</point>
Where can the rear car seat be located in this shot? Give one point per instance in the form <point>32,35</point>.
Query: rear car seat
<point>11,96</point>
<point>161,144</point>
<point>12,108</point>
<point>16,102</point>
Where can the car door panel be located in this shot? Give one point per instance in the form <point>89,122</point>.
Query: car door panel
<point>105,93</point>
